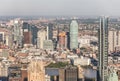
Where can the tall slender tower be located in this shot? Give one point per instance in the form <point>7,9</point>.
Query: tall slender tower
<point>73,35</point>
<point>103,50</point>
<point>50,31</point>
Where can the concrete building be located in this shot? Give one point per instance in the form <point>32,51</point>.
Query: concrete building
<point>102,73</point>
<point>14,72</point>
<point>85,41</point>
<point>114,40</point>
<point>27,34</point>
<point>4,52</point>
<point>62,40</point>
<point>27,39</point>
<point>24,72</point>
<point>69,73</point>
<point>6,37</point>
<point>36,71</point>
<point>83,61</point>
<point>80,73</point>
<point>47,78</point>
<point>41,37</point>
<point>55,34</point>
<point>4,70</point>
<point>73,35</point>
<point>48,45</point>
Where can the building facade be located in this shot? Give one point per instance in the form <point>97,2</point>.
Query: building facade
<point>103,50</point>
<point>69,73</point>
<point>36,71</point>
<point>48,45</point>
<point>14,72</point>
<point>112,74</point>
<point>50,31</point>
<point>73,35</point>
<point>17,33</point>
<point>62,40</point>
<point>27,39</point>
<point>6,37</point>
<point>33,29</point>
<point>41,37</point>
<point>114,40</point>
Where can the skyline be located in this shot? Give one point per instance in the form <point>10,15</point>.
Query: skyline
<point>59,7</point>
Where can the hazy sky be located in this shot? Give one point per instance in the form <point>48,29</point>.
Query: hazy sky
<point>60,7</point>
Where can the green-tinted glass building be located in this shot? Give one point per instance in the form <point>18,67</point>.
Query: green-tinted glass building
<point>112,76</point>
<point>73,35</point>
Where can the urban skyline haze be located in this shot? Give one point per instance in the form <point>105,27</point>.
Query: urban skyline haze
<point>59,7</point>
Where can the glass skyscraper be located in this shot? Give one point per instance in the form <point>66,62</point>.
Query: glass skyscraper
<point>50,31</point>
<point>103,50</point>
<point>73,35</point>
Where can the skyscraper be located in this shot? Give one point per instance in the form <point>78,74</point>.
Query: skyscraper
<point>17,32</point>
<point>41,38</point>
<point>73,35</point>
<point>62,40</point>
<point>50,31</point>
<point>33,29</point>
<point>103,50</point>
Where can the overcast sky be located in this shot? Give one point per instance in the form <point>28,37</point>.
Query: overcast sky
<point>60,7</point>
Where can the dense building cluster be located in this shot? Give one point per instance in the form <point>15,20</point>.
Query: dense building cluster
<point>59,50</point>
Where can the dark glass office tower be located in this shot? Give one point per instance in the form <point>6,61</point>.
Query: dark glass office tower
<point>69,73</point>
<point>103,50</point>
<point>50,31</point>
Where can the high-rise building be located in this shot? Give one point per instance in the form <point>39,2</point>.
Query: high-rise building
<point>14,72</point>
<point>68,39</point>
<point>27,34</point>
<point>27,39</point>
<point>50,31</point>
<point>73,35</point>
<point>6,37</point>
<point>103,50</point>
<point>17,33</point>
<point>69,73</point>
<point>41,38</point>
<point>113,40</point>
<point>36,70</point>
<point>62,40</point>
<point>33,29</point>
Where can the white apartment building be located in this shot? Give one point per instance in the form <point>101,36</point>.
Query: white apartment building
<point>113,40</point>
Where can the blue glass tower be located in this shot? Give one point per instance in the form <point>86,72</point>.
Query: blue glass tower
<point>103,50</point>
<point>50,31</point>
<point>73,35</point>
